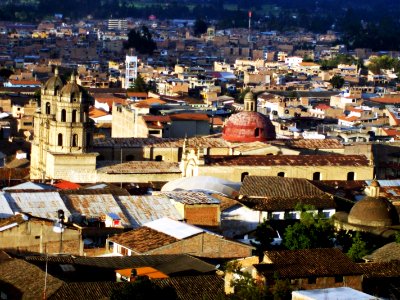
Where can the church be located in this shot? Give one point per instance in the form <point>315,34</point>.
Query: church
<point>64,148</point>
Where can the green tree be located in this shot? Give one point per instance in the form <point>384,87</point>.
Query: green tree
<point>200,27</point>
<point>358,249</point>
<point>264,237</point>
<point>138,85</point>
<point>397,237</point>
<point>337,81</point>
<point>240,97</point>
<point>141,40</point>
<point>6,73</point>
<point>313,231</point>
<point>143,289</point>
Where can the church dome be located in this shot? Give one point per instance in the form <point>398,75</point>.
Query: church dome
<point>72,91</point>
<point>373,211</point>
<point>248,126</point>
<point>54,84</point>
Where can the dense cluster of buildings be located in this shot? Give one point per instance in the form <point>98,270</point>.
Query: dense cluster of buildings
<point>172,182</point>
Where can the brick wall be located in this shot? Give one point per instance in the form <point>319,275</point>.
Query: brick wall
<point>206,215</point>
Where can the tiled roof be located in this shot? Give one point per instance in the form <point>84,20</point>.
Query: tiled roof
<point>204,142</point>
<point>189,117</point>
<point>381,269</point>
<point>22,280</point>
<point>388,252</point>
<point>170,264</point>
<point>386,100</point>
<point>141,167</point>
<point>278,187</point>
<point>143,239</point>
<point>187,288</point>
<point>195,287</point>
<point>315,144</point>
<point>308,262</point>
<point>66,185</point>
<point>279,194</point>
<point>286,160</point>
<point>152,118</point>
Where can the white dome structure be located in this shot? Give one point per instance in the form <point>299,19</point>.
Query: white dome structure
<point>206,184</point>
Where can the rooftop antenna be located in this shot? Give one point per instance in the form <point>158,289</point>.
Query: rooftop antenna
<point>249,37</point>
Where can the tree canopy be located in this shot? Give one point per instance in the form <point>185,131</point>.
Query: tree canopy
<point>141,40</point>
<point>358,248</point>
<point>313,231</point>
<point>200,27</point>
<point>139,85</point>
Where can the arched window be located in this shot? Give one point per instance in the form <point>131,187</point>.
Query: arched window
<point>244,174</point>
<point>63,115</point>
<point>257,132</point>
<point>350,176</point>
<point>75,140</point>
<point>281,174</point>
<point>316,176</point>
<point>74,114</point>
<point>159,158</point>
<point>47,108</point>
<point>60,139</point>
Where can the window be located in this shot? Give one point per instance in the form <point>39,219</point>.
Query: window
<point>63,115</point>
<point>244,174</point>
<point>316,176</point>
<point>47,108</point>
<point>75,140</point>
<point>312,280</point>
<point>257,132</point>
<point>74,114</point>
<point>60,140</point>
<point>159,158</point>
<point>350,176</point>
<point>281,174</point>
<point>338,278</point>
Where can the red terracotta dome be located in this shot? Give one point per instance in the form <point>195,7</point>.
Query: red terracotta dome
<point>248,126</point>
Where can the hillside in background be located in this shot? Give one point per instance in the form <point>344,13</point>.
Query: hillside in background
<point>370,23</point>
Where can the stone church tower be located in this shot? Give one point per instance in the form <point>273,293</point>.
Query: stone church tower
<point>63,133</point>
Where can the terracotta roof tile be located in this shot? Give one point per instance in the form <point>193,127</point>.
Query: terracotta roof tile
<point>189,117</point>
<point>308,262</point>
<point>381,269</point>
<point>315,144</point>
<point>141,167</point>
<point>143,239</point>
<point>286,160</point>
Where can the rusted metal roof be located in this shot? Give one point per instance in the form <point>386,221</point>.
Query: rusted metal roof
<point>94,205</point>
<point>143,209</point>
<point>37,203</point>
<point>287,160</point>
<point>191,198</point>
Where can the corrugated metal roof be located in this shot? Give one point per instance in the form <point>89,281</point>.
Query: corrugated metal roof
<point>386,182</point>
<point>5,209</point>
<point>30,186</point>
<point>95,205</point>
<point>143,209</point>
<point>39,204</point>
<point>174,228</point>
<point>191,198</point>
